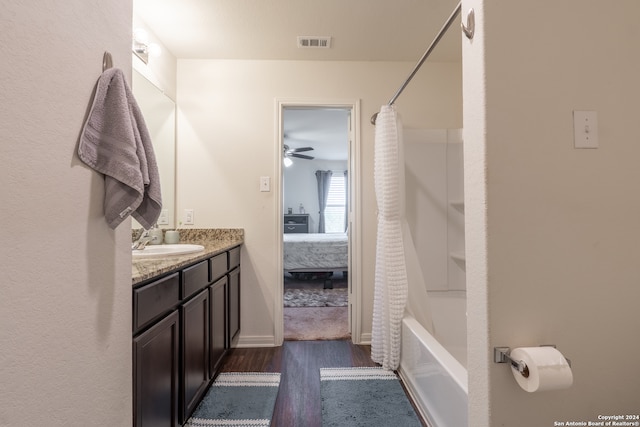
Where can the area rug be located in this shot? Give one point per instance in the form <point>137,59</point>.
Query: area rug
<point>239,399</point>
<point>316,297</point>
<point>364,397</point>
<point>316,323</point>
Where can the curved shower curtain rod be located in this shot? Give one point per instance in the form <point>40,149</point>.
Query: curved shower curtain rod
<point>426,54</point>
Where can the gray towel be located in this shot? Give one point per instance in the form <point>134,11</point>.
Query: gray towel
<point>115,142</point>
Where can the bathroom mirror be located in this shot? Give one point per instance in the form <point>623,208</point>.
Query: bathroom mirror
<point>160,116</point>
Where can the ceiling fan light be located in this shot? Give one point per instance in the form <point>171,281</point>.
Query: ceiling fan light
<point>287,162</point>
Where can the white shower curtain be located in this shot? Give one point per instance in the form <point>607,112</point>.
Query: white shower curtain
<point>397,273</point>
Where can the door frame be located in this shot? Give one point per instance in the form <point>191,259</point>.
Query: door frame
<point>355,222</point>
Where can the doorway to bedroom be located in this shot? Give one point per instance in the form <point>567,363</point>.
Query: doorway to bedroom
<point>317,214</point>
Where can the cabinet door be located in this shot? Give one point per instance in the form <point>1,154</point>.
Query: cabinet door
<point>218,326</point>
<point>195,352</point>
<point>155,374</point>
<point>234,305</point>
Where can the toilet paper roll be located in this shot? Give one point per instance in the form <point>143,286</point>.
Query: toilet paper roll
<point>548,369</point>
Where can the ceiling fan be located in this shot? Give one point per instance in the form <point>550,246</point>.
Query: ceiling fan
<point>295,152</point>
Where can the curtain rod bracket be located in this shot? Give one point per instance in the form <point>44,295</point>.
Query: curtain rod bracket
<point>470,28</point>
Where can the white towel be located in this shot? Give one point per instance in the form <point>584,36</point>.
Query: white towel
<point>115,142</point>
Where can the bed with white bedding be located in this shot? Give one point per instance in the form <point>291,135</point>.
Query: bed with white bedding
<point>315,252</point>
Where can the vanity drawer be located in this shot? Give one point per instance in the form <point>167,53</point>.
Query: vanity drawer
<point>194,278</point>
<point>218,266</point>
<point>155,299</point>
<point>234,258</point>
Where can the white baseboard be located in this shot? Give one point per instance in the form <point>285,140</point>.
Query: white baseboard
<point>256,341</point>
<point>269,341</point>
<point>365,338</point>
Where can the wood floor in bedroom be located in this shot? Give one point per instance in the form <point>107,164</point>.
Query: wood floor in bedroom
<point>299,362</point>
<point>311,323</point>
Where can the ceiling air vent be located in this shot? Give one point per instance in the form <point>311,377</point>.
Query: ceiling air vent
<point>314,42</point>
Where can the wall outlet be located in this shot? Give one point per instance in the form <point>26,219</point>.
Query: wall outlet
<point>188,217</point>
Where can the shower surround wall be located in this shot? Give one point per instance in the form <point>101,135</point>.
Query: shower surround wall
<point>435,213</point>
<point>435,209</point>
<point>433,365</point>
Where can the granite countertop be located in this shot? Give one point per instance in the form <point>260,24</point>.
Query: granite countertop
<point>215,241</point>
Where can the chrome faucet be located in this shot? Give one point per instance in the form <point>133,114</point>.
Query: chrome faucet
<point>142,241</point>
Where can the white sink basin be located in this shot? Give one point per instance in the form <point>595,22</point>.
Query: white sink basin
<point>158,251</point>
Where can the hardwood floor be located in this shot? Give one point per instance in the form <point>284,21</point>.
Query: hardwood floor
<point>299,362</point>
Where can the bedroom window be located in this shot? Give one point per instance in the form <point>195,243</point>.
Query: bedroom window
<point>335,211</point>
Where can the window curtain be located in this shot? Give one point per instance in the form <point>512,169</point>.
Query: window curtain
<point>324,181</point>
<point>346,200</point>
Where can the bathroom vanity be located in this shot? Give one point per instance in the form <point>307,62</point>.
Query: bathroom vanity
<point>186,316</point>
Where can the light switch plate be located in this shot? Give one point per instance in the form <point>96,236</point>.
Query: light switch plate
<point>265,183</point>
<point>585,129</point>
<point>188,217</point>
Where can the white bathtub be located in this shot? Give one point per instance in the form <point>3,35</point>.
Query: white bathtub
<point>436,381</point>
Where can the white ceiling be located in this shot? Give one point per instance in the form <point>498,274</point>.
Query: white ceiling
<point>361,30</point>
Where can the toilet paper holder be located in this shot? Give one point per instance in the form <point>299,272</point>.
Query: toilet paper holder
<point>502,355</point>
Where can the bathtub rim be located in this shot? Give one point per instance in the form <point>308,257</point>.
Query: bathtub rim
<point>457,371</point>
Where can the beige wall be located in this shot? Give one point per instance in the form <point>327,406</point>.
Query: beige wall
<point>555,255</point>
<point>65,292</point>
<point>227,140</point>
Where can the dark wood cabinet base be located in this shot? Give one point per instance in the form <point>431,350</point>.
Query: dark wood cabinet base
<point>155,374</point>
<point>184,323</point>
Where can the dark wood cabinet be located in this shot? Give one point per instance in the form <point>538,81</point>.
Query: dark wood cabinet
<point>233,297</point>
<point>153,301</point>
<point>234,305</point>
<point>155,374</point>
<point>195,352</point>
<point>183,324</point>
<point>218,325</point>
<point>194,278</point>
<point>218,266</point>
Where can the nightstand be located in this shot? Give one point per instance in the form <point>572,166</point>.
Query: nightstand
<point>296,223</point>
